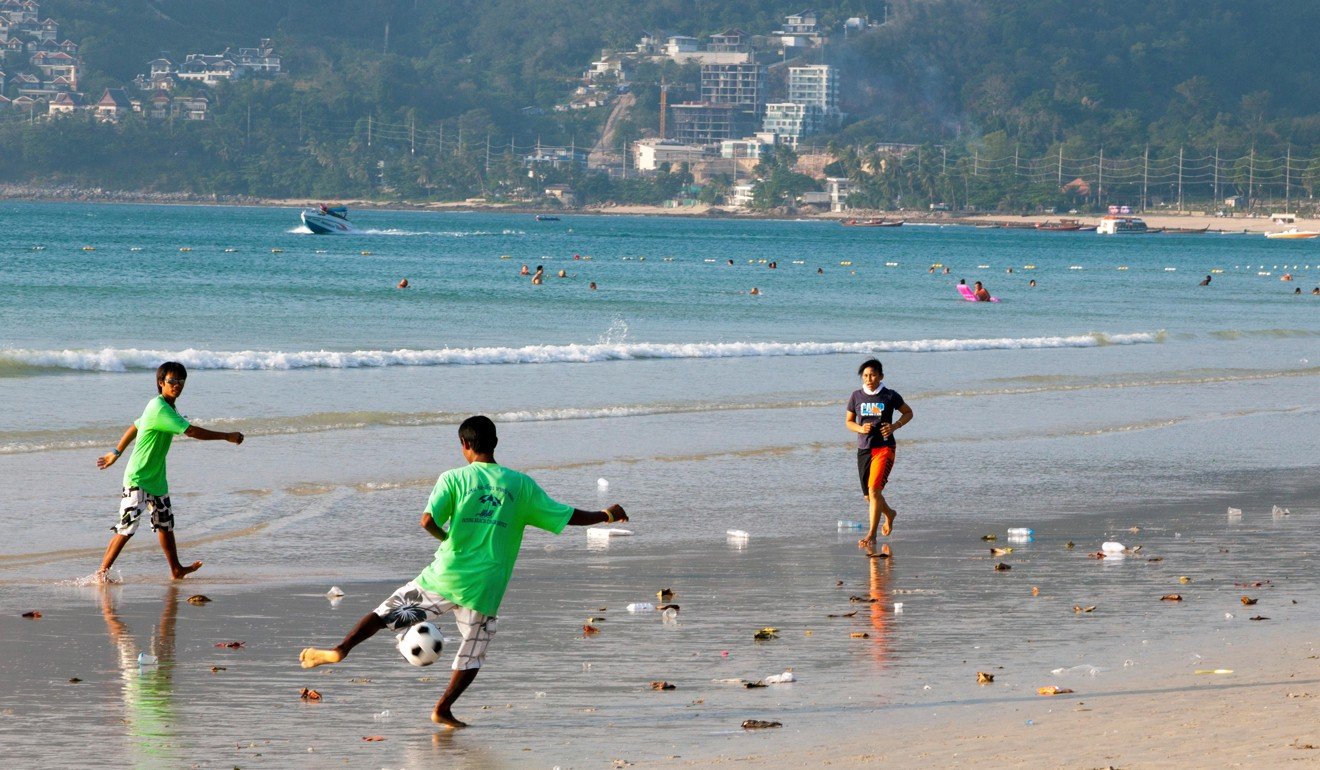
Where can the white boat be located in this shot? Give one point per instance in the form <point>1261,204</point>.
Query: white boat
<point>324,220</point>
<point>1123,225</point>
<point>1293,234</point>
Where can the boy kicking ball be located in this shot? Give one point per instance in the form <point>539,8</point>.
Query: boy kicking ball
<point>145,487</point>
<point>487,507</point>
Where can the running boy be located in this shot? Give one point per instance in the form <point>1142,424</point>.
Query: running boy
<point>486,506</point>
<point>145,488</point>
<point>870,415</point>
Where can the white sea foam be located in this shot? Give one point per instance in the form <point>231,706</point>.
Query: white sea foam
<point>126,359</point>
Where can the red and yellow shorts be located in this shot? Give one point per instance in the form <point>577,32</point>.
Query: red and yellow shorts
<point>873,467</point>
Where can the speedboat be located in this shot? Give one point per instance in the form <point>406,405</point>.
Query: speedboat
<point>1293,234</point>
<point>325,220</point>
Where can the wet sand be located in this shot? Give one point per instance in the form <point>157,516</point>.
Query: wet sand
<point>877,685</point>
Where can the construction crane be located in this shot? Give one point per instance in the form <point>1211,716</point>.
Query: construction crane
<point>664,105</point>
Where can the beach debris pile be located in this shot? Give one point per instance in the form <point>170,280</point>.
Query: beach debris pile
<point>759,724</point>
<point>661,685</point>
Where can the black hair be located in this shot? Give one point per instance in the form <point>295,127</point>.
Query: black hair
<point>170,368</point>
<point>478,434</point>
<point>871,363</point>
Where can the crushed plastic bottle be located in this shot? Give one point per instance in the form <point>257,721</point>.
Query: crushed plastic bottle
<point>1234,513</point>
<point>1278,512</point>
<point>1082,670</point>
<point>382,716</point>
<point>334,592</point>
<point>147,659</point>
<point>783,678</point>
<point>670,615</point>
<point>850,526</point>
<point>1113,547</point>
<point>640,607</point>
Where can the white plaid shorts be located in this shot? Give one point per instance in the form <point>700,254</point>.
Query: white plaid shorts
<point>411,604</point>
<point>131,507</point>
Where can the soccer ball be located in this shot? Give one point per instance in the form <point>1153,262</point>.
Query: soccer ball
<point>421,644</point>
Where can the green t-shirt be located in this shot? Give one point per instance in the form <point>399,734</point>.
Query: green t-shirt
<point>487,506</point>
<point>157,427</point>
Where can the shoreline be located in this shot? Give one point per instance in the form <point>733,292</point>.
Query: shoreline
<point>1188,221</point>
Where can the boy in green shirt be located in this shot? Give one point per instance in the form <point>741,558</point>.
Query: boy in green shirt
<point>486,506</point>
<point>145,487</point>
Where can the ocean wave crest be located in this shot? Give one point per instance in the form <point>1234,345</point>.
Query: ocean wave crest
<point>128,359</point>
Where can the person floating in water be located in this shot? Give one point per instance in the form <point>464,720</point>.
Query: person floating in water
<point>755,292</point>
<point>1205,282</point>
<point>981,294</point>
<point>403,284</point>
<point>539,278</point>
<point>524,271</point>
<point>1032,283</point>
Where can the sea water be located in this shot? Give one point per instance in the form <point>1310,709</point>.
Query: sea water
<point>1100,400</point>
<point>349,389</point>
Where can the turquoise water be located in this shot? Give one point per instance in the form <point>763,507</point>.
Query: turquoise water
<point>343,382</point>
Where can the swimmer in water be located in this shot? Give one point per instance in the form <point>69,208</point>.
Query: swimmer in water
<point>1032,283</point>
<point>592,286</point>
<point>539,278</point>
<point>403,284</point>
<point>563,273</point>
<point>524,271</point>
<point>980,293</point>
<point>755,292</point>
<point>1205,282</point>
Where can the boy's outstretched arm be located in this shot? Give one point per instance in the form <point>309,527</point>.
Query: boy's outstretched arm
<point>614,513</point>
<point>198,432</point>
<point>108,459</point>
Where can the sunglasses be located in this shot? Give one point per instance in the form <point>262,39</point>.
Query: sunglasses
<point>172,381</point>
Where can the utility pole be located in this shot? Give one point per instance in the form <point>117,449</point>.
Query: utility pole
<point>442,139</point>
<point>412,133</point>
<point>1145,177</point>
<point>487,153</point>
<point>1287,180</point>
<point>1060,166</point>
<point>368,130</point>
<point>1180,177</point>
<point>1100,177</point>
<point>976,162</point>
<point>1216,177</point>
<point>1251,176</point>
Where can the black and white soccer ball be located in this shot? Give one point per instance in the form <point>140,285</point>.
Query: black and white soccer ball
<point>420,645</point>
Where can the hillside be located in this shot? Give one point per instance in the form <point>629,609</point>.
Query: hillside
<point>402,98</point>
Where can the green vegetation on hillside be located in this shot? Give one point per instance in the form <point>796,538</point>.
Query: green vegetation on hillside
<point>399,98</point>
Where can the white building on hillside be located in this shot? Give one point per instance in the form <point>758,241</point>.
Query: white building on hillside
<point>651,154</point>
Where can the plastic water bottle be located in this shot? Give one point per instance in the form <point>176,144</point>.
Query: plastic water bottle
<point>146,659</point>
<point>640,607</point>
<point>846,526</point>
<point>1021,531</point>
<point>670,615</point>
<point>1112,547</point>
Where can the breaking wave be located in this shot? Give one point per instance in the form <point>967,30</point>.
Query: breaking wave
<point>127,359</point>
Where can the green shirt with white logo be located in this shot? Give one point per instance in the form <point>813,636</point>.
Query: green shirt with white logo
<point>157,427</point>
<point>486,506</point>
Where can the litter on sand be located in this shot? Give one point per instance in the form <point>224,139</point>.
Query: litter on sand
<point>759,724</point>
<point>1171,598</point>
<point>663,686</point>
<point>984,678</point>
<point>766,633</point>
<point>1234,513</point>
<point>32,614</point>
<point>198,599</point>
<point>1082,670</point>
<point>608,532</point>
<point>783,678</point>
<point>1051,689</point>
<point>1214,671</point>
<point>309,695</point>
<point>334,592</point>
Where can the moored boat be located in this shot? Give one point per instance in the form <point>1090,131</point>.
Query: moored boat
<point>1293,234</point>
<point>325,220</point>
<point>871,222</point>
<point>1112,224</point>
<point>1062,226</point>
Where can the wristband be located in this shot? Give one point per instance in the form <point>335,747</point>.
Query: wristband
<point>609,516</point>
<point>116,452</point>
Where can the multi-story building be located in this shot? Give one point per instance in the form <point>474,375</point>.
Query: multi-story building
<point>705,123</point>
<point>741,84</point>
<point>651,154</point>
<point>790,122</point>
<point>815,85</point>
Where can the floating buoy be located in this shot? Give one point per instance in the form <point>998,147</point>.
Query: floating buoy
<point>230,250</point>
<point>321,251</point>
<point>277,251</point>
<point>799,261</point>
<point>1170,269</point>
<point>1217,270</point>
<point>708,260</point>
<point>982,267</point>
<point>185,248</point>
<point>1028,267</point>
<point>1122,267</point>
<point>846,263</point>
<point>891,264</point>
<point>504,256</point>
<point>89,248</point>
<point>135,248</point>
<point>365,253</point>
<point>1074,267</point>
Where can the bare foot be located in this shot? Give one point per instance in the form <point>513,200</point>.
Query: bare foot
<point>443,716</point>
<point>866,542</point>
<point>312,657</point>
<point>183,572</point>
<point>888,526</point>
